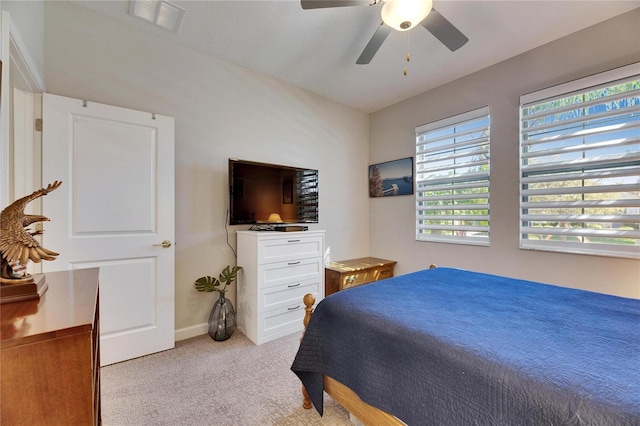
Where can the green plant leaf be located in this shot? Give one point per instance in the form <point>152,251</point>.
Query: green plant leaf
<point>229,275</point>
<point>207,284</point>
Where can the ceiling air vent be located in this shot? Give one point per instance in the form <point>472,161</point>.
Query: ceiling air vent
<point>158,12</point>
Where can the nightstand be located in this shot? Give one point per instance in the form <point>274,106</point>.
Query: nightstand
<point>344,274</point>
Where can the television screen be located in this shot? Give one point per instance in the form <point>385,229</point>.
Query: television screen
<point>269,193</point>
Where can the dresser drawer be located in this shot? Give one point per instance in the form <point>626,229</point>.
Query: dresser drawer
<point>292,247</point>
<point>280,322</point>
<point>290,272</point>
<point>364,277</point>
<point>286,295</point>
<point>354,280</point>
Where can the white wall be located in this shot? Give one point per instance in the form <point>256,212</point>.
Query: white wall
<point>28,17</point>
<point>220,111</point>
<point>21,70</point>
<point>608,45</point>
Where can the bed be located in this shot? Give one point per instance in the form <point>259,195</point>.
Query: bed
<point>447,346</point>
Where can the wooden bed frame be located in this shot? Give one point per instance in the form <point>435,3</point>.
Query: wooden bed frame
<point>365,413</point>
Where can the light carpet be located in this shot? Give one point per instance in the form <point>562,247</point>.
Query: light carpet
<point>204,382</point>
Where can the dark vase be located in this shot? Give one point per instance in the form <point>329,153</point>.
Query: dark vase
<point>222,320</point>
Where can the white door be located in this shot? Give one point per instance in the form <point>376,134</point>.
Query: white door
<point>113,210</point>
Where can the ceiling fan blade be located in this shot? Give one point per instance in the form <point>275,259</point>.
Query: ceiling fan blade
<point>374,44</point>
<point>320,4</point>
<point>444,30</point>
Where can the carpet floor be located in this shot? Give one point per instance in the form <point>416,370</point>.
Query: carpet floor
<point>203,382</point>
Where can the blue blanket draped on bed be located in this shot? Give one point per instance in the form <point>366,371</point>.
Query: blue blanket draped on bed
<point>452,347</point>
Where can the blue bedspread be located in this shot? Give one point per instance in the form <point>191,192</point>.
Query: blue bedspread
<point>452,347</point>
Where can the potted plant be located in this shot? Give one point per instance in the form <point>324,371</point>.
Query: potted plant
<point>222,320</point>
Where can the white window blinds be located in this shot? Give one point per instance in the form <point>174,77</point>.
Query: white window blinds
<point>452,179</point>
<point>580,166</point>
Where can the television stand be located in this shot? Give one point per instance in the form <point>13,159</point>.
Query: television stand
<point>278,269</point>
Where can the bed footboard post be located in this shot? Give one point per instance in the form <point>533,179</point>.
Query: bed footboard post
<point>308,300</point>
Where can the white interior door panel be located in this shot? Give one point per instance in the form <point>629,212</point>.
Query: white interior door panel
<point>114,208</point>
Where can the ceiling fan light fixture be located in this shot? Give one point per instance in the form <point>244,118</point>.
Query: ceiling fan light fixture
<point>402,15</point>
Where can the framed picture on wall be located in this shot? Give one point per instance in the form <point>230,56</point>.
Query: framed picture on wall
<point>391,178</point>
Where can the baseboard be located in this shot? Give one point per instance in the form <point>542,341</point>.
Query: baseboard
<point>193,331</point>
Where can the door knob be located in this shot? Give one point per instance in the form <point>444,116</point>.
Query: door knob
<point>164,244</point>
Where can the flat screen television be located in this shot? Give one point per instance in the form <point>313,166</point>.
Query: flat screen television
<point>258,192</point>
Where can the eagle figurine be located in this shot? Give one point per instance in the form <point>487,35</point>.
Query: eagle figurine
<point>17,243</point>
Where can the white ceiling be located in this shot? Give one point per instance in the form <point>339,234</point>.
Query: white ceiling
<point>317,49</point>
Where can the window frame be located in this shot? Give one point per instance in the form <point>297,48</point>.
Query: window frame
<point>478,180</point>
<point>593,172</point>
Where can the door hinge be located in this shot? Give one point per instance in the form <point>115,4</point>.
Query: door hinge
<point>38,124</point>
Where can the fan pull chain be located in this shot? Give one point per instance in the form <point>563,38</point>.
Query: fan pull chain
<point>408,54</point>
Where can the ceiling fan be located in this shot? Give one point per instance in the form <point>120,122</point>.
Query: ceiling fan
<point>400,15</point>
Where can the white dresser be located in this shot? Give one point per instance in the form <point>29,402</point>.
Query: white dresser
<point>278,269</point>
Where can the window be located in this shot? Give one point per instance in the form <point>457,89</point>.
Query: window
<point>580,166</point>
<point>452,179</point>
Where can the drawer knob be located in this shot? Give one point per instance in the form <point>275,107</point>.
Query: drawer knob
<point>293,241</point>
<point>293,263</point>
<point>293,285</point>
<point>293,309</point>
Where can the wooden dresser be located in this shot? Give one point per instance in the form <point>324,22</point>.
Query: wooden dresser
<point>50,355</point>
<point>345,274</point>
